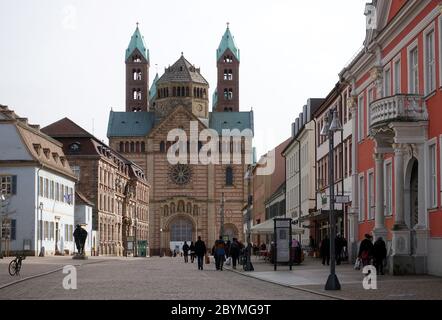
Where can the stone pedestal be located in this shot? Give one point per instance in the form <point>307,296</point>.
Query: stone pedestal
<point>78,256</point>
<point>380,233</point>
<point>401,261</point>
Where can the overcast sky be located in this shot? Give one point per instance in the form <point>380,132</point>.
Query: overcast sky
<point>66,58</point>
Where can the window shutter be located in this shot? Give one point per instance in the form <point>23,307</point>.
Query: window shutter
<point>13,226</point>
<point>14,185</point>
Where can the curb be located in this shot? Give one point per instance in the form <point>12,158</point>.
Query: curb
<point>289,286</point>
<point>45,274</point>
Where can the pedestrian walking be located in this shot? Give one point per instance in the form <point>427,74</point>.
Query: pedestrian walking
<point>186,249</point>
<point>366,250</point>
<point>235,250</point>
<point>200,252</point>
<point>379,254</point>
<point>220,253</point>
<point>192,252</point>
<point>338,249</point>
<point>325,250</point>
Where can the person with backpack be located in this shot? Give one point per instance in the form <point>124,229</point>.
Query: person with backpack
<point>366,250</point>
<point>200,252</point>
<point>186,249</point>
<point>220,253</point>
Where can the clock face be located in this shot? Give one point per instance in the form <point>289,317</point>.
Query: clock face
<point>180,174</point>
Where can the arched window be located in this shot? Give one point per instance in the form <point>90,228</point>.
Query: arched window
<point>183,92</point>
<point>225,74</point>
<point>181,230</point>
<point>194,92</point>
<point>172,208</point>
<point>132,147</point>
<point>174,92</point>
<point>137,146</point>
<point>126,148</point>
<point>187,92</point>
<point>166,210</point>
<point>229,176</point>
<point>226,94</point>
<point>189,208</point>
<point>162,147</point>
<point>178,92</point>
<point>181,206</point>
<point>143,147</point>
<point>230,75</point>
<point>121,146</point>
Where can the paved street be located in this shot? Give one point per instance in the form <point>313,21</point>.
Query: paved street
<point>152,278</point>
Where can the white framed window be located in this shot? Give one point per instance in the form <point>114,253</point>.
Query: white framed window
<point>8,185</point>
<point>361,101</point>
<point>388,188</point>
<point>370,99</point>
<point>432,174</point>
<point>397,75</point>
<point>429,60</point>
<point>371,195</point>
<point>387,81</point>
<point>361,197</point>
<point>413,68</point>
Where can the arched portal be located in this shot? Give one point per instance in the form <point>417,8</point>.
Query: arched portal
<point>230,232</point>
<point>412,199</point>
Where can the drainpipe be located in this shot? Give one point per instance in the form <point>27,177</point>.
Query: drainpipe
<point>37,207</point>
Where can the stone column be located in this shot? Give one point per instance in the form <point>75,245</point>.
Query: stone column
<point>399,185</point>
<point>380,230</point>
<point>400,259</point>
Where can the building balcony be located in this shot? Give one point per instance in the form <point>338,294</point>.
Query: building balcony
<point>398,108</point>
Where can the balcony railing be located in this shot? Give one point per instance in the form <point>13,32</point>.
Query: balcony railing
<point>398,108</point>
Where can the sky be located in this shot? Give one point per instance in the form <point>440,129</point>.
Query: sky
<point>61,58</point>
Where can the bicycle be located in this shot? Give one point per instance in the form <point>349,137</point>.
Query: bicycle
<point>15,265</point>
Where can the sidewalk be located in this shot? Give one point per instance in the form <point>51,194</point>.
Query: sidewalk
<point>311,276</point>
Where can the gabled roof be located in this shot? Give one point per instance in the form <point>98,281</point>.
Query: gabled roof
<point>227,42</point>
<point>231,120</point>
<point>153,88</point>
<point>182,71</point>
<point>65,128</point>
<point>137,42</point>
<point>130,124</point>
<point>81,199</point>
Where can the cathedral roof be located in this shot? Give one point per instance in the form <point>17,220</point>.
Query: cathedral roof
<point>227,42</point>
<point>182,71</point>
<point>231,120</point>
<point>137,42</point>
<point>153,88</point>
<point>130,124</point>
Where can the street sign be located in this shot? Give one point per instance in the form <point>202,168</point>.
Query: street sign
<point>342,199</point>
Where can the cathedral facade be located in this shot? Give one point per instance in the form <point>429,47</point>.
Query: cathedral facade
<point>191,198</point>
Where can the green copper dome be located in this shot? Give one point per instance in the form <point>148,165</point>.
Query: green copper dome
<point>137,42</point>
<point>227,42</point>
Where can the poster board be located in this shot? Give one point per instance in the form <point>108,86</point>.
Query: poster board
<point>283,240</point>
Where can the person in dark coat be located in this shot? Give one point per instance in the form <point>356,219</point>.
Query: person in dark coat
<point>186,249</point>
<point>379,255</point>
<point>338,249</point>
<point>80,236</point>
<point>220,253</point>
<point>235,250</point>
<point>192,252</point>
<point>200,252</point>
<point>366,250</point>
<point>325,250</point>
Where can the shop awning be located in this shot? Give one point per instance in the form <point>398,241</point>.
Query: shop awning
<point>268,227</point>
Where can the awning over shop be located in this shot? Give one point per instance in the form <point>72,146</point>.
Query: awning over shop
<point>268,227</point>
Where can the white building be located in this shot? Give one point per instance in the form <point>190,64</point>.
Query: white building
<point>83,217</point>
<point>300,169</point>
<point>343,163</point>
<point>38,185</point>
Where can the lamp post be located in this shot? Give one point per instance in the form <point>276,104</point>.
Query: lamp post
<point>41,254</point>
<point>161,242</point>
<point>329,130</point>
<point>248,178</point>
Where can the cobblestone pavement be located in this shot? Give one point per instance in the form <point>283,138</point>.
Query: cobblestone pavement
<point>312,276</point>
<point>151,278</point>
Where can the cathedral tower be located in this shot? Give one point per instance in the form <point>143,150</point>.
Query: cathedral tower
<point>137,74</point>
<point>226,96</point>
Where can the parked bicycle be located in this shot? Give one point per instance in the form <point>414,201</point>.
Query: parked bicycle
<point>15,265</point>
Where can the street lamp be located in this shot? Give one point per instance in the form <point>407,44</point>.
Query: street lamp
<point>248,178</point>
<point>161,242</point>
<point>329,130</point>
<point>41,230</point>
<point>136,239</point>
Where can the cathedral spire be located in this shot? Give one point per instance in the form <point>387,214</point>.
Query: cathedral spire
<point>137,42</point>
<point>227,42</point>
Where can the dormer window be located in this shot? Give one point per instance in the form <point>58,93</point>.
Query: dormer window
<point>47,152</point>
<point>74,147</point>
<point>55,156</point>
<point>37,148</point>
<point>63,161</point>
